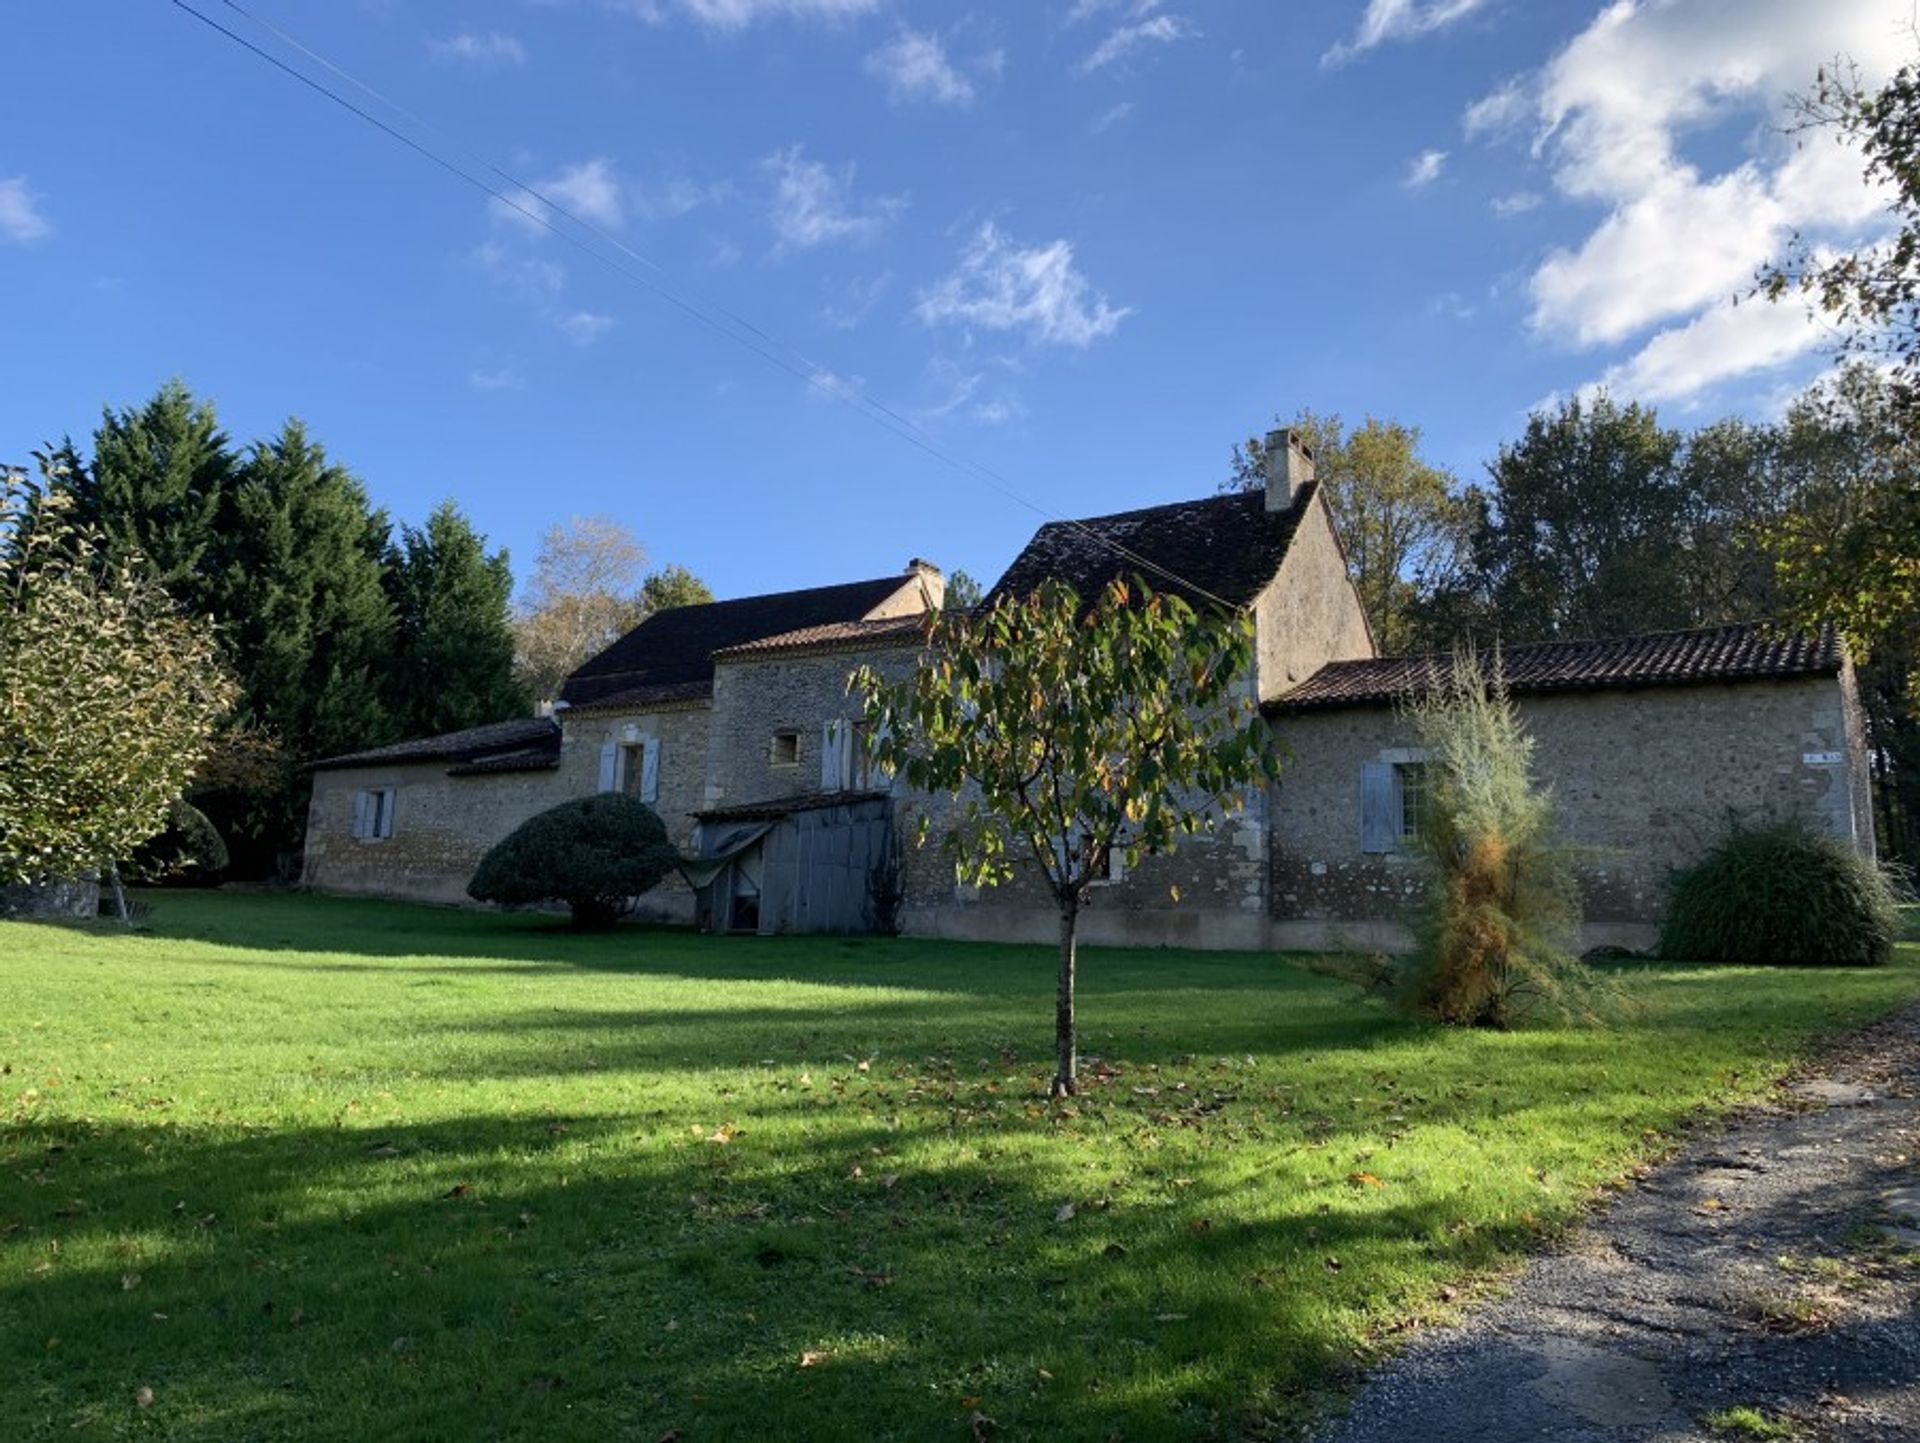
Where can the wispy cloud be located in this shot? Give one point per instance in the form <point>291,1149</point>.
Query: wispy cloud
<point>855,301</point>
<point>503,378</point>
<point>1517,203</point>
<point>1110,117</point>
<point>1424,169</point>
<point>1038,292</point>
<point>1123,40</point>
<point>914,66</point>
<point>534,277</point>
<point>583,328</point>
<point>729,15</point>
<point>815,206</point>
<point>484,52</point>
<point>590,189</point>
<point>1387,20</point>
<point>21,218</point>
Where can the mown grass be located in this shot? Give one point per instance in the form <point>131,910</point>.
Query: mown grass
<point>317,1169</point>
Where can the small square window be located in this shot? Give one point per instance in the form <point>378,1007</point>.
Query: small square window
<point>785,751</point>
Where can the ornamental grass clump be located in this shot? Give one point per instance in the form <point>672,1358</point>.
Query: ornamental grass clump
<point>1502,907</point>
<point>1780,895</point>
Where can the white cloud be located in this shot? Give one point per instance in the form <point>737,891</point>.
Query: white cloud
<point>1425,169</point>
<point>999,286</point>
<point>815,206</point>
<point>21,218</point>
<point>484,52</point>
<point>1518,202</point>
<point>590,190</point>
<point>1727,341</point>
<point>739,14</point>
<point>1616,116</point>
<point>1386,20</point>
<point>504,378</point>
<point>1500,111</point>
<point>1123,40</point>
<point>914,66</point>
<point>583,328</point>
<point>1111,117</point>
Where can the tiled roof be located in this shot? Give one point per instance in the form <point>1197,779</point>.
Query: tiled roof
<point>639,698</point>
<point>521,735</point>
<point>835,636</point>
<point>534,759</point>
<point>1744,652</point>
<point>674,648</point>
<point>774,810</point>
<point>1229,546</point>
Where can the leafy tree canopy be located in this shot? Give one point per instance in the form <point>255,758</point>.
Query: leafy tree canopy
<point>109,696</point>
<point>1068,735</point>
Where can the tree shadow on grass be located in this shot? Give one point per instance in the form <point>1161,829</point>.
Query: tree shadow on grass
<point>533,1278</point>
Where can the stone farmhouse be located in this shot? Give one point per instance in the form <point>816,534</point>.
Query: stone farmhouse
<point>733,720</point>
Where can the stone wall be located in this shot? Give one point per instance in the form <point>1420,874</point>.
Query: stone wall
<point>756,697</point>
<point>1646,781</point>
<point>442,827</point>
<point>1309,614</point>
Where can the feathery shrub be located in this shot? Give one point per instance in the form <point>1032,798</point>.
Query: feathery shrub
<point>1502,906</point>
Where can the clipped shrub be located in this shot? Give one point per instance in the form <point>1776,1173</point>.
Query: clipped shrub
<point>1502,906</point>
<point>595,854</point>
<point>189,853</point>
<point>1781,895</point>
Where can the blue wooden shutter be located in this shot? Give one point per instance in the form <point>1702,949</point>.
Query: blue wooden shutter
<point>362,802</point>
<point>833,756</point>
<point>650,771</point>
<point>1379,818</point>
<point>609,767</point>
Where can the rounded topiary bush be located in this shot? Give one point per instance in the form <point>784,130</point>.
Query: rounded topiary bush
<point>1781,895</point>
<point>595,854</point>
<point>189,853</point>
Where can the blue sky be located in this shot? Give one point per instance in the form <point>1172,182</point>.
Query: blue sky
<point>1085,243</point>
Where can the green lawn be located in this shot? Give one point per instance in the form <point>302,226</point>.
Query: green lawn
<point>318,1169</point>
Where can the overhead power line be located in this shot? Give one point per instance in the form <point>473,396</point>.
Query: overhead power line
<point>650,275</point>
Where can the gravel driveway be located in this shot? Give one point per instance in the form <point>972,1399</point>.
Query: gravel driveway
<point>1768,1276</point>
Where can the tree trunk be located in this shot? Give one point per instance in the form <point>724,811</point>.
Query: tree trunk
<point>1066,1080</point>
<point>119,895</point>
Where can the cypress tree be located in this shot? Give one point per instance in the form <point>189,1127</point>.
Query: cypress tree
<point>453,662</point>
<point>160,482</point>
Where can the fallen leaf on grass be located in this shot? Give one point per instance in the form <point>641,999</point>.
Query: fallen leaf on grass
<point>812,1359</point>
<point>1065,1215</point>
<point>143,1397</point>
<point>723,1134</point>
<point>129,1281</point>
<point>1363,1179</point>
<point>1333,1265</point>
<point>458,1190</point>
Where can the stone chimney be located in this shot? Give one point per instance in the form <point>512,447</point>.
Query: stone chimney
<point>933,582</point>
<point>1289,466</point>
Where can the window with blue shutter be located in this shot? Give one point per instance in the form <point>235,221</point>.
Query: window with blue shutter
<point>1379,808</point>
